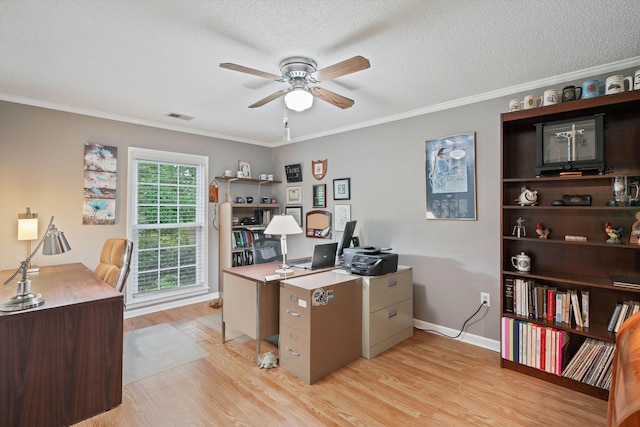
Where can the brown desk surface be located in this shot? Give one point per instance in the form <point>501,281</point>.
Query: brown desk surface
<point>60,285</point>
<point>258,272</point>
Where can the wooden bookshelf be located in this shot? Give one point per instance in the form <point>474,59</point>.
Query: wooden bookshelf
<point>565,265</point>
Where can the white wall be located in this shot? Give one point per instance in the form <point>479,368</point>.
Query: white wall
<point>41,166</point>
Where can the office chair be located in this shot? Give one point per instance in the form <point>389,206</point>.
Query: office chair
<point>266,249</point>
<point>115,262</point>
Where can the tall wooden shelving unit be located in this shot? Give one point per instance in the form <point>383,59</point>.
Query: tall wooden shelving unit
<point>555,262</point>
<point>229,209</point>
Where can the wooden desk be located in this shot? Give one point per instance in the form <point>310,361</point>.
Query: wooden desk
<point>251,301</point>
<point>61,362</point>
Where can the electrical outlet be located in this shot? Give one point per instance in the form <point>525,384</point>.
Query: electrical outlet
<point>485,299</point>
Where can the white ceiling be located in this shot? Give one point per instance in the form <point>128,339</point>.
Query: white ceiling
<point>138,60</point>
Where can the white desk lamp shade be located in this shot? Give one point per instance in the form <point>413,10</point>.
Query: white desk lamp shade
<point>283,225</point>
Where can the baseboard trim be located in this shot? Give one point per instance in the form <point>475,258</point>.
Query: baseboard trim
<point>466,337</point>
<point>135,312</point>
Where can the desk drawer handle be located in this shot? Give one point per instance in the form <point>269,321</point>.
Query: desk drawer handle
<point>392,283</point>
<point>293,313</point>
<point>295,353</point>
<point>392,313</point>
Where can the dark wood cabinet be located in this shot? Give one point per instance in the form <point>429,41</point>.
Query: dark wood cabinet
<point>572,265</point>
<point>61,363</point>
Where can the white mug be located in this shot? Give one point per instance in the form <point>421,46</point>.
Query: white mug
<point>550,97</point>
<point>521,262</point>
<point>263,176</point>
<point>228,172</point>
<point>532,101</point>
<point>270,177</point>
<point>514,105</point>
<point>636,80</point>
<point>615,84</point>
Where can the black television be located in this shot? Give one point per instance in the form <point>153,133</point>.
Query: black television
<point>346,237</point>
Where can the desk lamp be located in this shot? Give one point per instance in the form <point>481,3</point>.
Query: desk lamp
<point>283,225</point>
<point>28,230</point>
<point>54,244</point>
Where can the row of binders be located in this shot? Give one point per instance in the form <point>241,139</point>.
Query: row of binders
<point>527,298</point>
<point>240,258</point>
<point>244,238</point>
<point>534,345</point>
<point>621,313</point>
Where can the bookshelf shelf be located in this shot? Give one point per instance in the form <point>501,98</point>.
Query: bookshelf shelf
<point>557,265</point>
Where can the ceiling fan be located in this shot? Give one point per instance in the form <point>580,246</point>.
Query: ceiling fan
<point>298,72</point>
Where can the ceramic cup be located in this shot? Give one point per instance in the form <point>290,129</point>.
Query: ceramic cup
<point>263,176</point>
<point>249,199</point>
<point>264,200</point>
<point>571,93</point>
<point>270,177</point>
<point>228,172</point>
<point>590,89</point>
<point>532,101</point>
<point>239,174</point>
<point>550,97</point>
<point>521,262</point>
<point>514,105</point>
<point>615,84</point>
<point>636,80</point>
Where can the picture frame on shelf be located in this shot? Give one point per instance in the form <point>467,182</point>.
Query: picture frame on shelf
<point>319,196</point>
<point>293,195</point>
<point>450,173</point>
<point>295,212</point>
<point>342,189</point>
<point>244,168</point>
<point>342,215</point>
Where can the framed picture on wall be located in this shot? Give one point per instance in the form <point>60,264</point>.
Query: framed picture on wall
<point>342,189</point>
<point>319,192</point>
<point>294,195</point>
<point>342,216</point>
<point>451,177</point>
<point>295,212</point>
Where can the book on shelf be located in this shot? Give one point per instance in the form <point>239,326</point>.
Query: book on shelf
<point>626,282</point>
<point>508,295</point>
<point>614,317</point>
<point>575,304</point>
<point>585,307</point>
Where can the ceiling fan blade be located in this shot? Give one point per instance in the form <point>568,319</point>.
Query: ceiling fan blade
<point>243,69</point>
<point>348,66</point>
<point>332,97</point>
<point>269,98</point>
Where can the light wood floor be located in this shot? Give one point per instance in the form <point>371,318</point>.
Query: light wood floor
<point>427,380</point>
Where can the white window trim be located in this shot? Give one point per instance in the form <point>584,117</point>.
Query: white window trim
<point>136,153</point>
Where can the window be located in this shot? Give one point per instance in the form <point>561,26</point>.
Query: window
<point>167,217</point>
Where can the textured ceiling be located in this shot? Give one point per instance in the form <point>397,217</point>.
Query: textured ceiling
<point>138,60</point>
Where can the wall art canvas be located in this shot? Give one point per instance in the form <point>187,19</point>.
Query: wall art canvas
<point>451,177</point>
<point>100,168</point>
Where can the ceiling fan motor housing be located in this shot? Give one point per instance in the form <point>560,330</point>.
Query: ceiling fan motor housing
<point>297,68</point>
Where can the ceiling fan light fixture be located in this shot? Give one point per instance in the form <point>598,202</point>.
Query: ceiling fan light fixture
<point>298,99</point>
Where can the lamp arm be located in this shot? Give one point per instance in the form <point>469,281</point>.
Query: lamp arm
<point>24,264</point>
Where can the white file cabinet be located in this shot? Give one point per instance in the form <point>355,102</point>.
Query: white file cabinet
<point>387,310</point>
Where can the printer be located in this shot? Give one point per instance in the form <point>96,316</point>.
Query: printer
<point>348,253</point>
<point>373,263</point>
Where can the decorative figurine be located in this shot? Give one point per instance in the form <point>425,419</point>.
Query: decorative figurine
<point>518,229</point>
<point>634,237</point>
<point>614,234</point>
<point>542,233</point>
<point>268,361</point>
<point>527,197</point>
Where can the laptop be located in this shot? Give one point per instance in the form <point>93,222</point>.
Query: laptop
<point>323,256</point>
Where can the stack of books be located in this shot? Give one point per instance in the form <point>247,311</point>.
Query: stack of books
<point>621,313</point>
<point>526,298</point>
<point>592,363</point>
<point>534,345</point>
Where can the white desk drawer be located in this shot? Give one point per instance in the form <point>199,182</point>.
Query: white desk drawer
<point>389,289</point>
<point>390,320</point>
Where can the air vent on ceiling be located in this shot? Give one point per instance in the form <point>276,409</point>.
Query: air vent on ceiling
<point>180,116</point>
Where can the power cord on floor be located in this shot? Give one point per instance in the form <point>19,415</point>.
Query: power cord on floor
<point>463,325</point>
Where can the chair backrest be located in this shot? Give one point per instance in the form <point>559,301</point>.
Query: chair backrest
<point>115,262</point>
<point>266,250</point>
